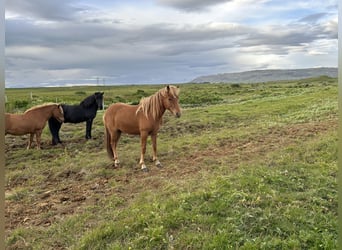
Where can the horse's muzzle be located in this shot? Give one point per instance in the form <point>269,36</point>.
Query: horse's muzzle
<point>61,120</point>
<point>178,114</point>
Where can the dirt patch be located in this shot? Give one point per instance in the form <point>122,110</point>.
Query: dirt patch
<point>261,144</point>
<point>57,200</point>
<point>68,192</point>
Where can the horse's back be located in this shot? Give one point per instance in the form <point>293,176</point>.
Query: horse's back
<point>12,120</point>
<point>121,116</point>
<point>8,122</point>
<point>121,111</point>
<point>122,107</point>
<point>76,113</point>
<point>15,124</point>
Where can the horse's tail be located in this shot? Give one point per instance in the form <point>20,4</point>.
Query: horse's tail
<point>110,152</point>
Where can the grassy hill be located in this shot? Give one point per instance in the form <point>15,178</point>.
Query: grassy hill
<point>256,76</point>
<point>247,166</point>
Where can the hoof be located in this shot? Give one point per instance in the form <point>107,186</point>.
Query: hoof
<point>116,163</point>
<point>158,164</point>
<point>55,142</point>
<point>144,168</point>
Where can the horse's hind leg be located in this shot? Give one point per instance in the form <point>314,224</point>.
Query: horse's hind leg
<point>114,142</point>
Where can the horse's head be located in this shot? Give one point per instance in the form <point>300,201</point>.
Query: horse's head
<point>99,99</point>
<point>58,113</point>
<point>170,100</point>
<point>95,100</point>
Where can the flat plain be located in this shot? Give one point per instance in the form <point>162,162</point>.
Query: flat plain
<point>247,166</point>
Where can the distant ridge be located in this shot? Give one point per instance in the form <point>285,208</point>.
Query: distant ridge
<point>255,76</point>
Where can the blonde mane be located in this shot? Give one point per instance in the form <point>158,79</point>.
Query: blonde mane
<point>40,106</point>
<point>152,105</point>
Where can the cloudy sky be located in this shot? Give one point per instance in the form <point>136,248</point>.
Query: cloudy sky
<point>63,42</point>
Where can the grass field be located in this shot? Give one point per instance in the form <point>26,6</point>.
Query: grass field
<point>247,166</point>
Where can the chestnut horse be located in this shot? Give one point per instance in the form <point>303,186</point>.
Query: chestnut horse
<point>32,121</point>
<point>143,119</point>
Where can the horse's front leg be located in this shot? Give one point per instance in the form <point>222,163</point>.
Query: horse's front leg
<point>55,126</point>
<point>143,139</point>
<point>38,138</point>
<point>154,148</point>
<point>30,141</point>
<point>88,128</point>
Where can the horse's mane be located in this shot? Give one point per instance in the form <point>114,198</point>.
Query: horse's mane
<point>40,106</point>
<point>152,105</point>
<point>88,101</point>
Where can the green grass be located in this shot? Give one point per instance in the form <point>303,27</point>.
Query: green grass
<point>248,166</point>
<point>258,206</point>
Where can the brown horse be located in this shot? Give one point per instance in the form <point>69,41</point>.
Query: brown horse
<point>144,119</point>
<point>32,121</point>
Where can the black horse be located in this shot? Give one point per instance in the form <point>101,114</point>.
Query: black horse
<point>84,112</point>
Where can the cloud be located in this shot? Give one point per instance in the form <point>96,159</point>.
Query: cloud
<point>138,44</point>
<point>279,36</point>
<point>56,10</point>
<point>313,18</point>
<point>191,5</point>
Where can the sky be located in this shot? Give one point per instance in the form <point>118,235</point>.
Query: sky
<point>112,42</point>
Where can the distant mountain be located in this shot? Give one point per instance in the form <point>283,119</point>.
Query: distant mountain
<point>267,75</point>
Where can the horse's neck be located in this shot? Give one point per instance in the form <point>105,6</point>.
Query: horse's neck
<point>45,112</point>
<point>161,112</point>
<point>89,103</point>
<point>93,107</point>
